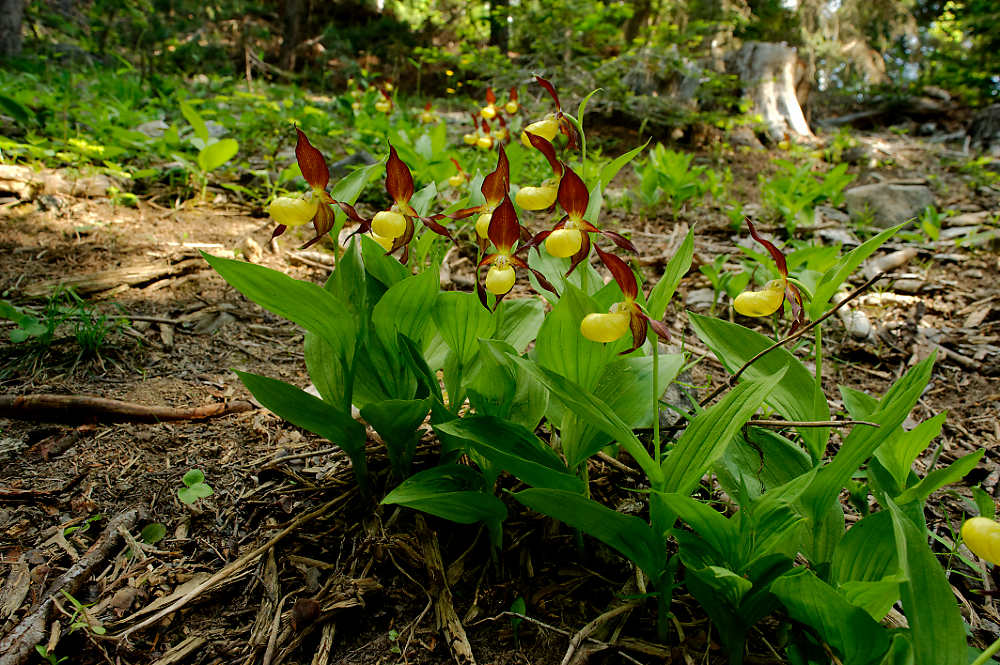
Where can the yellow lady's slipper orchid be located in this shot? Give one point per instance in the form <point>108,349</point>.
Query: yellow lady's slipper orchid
<point>761,303</point>
<point>500,277</point>
<point>607,327</point>
<point>982,536</point>
<point>537,198</point>
<point>512,107</point>
<point>383,106</point>
<point>470,139</point>
<point>488,112</point>
<point>484,142</point>
<point>483,224</point>
<point>388,224</point>
<point>293,210</point>
<point>386,243</point>
<point>564,242</point>
<point>622,316</point>
<point>456,180</point>
<point>547,128</point>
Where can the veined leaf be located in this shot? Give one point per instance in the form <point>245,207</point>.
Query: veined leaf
<point>626,533</point>
<point>710,433</point>
<point>797,397</point>
<point>937,631</point>
<point>214,155</point>
<point>664,290</point>
<point>516,450</point>
<point>303,410</point>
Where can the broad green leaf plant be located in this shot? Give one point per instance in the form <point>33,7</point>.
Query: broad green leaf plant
<point>534,387</point>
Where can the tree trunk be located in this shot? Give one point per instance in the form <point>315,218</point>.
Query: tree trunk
<point>641,9</point>
<point>11,15</point>
<point>768,73</point>
<point>499,34</point>
<point>293,15</point>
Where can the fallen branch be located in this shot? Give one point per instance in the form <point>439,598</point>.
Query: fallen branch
<point>109,279</point>
<point>83,408</point>
<point>20,642</point>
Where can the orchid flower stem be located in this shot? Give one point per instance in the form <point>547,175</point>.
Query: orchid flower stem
<point>734,378</point>
<point>986,656</point>
<point>819,357</point>
<point>656,400</point>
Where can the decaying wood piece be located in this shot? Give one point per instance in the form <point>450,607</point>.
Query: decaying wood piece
<point>110,279</point>
<point>322,655</point>
<point>768,74</point>
<point>28,184</point>
<point>45,407</point>
<point>272,591</point>
<point>20,642</point>
<point>592,627</point>
<point>178,653</point>
<point>447,619</point>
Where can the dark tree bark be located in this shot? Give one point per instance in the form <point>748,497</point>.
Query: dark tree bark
<point>641,10</point>
<point>293,16</point>
<point>499,34</point>
<point>11,16</point>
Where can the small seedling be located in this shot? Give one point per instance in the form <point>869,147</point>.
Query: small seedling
<point>517,607</point>
<point>394,640</point>
<point>48,655</point>
<point>82,528</point>
<point>153,533</point>
<point>195,487</point>
<point>80,617</point>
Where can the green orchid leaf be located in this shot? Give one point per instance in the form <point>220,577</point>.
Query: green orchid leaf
<point>304,303</point>
<point>797,397</point>
<point>710,432</point>
<point>311,413</point>
<point>937,631</point>
<point>627,534</point>
<point>516,450</point>
<point>214,155</point>
<point>850,631</point>
<point>452,492</point>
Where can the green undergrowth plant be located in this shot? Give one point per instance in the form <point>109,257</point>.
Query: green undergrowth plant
<point>794,192</point>
<point>533,388</point>
<point>668,177</point>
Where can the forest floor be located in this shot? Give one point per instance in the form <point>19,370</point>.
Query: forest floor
<point>284,562</point>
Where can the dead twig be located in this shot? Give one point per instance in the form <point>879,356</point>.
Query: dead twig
<point>44,407</point>
<point>20,642</point>
<point>444,610</point>
<point>592,626</point>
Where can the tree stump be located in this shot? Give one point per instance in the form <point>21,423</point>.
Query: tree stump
<point>768,73</point>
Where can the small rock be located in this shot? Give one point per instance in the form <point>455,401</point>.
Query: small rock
<point>889,204</point>
<point>700,298</point>
<point>252,252</point>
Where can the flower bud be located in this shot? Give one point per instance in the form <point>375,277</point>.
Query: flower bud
<point>761,303</point>
<point>488,112</point>
<point>982,536</point>
<point>470,139</point>
<point>547,128</point>
<point>564,242</point>
<point>605,327</point>
<point>511,107</point>
<point>484,142</point>
<point>483,225</point>
<point>536,198</point>
<point>388,224</point>
<point>293,210</point>
<point>500,279</point>
<point>383,106</point>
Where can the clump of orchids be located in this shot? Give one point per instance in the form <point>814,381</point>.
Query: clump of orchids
<point>503,243</point>
<point>392,228</point>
